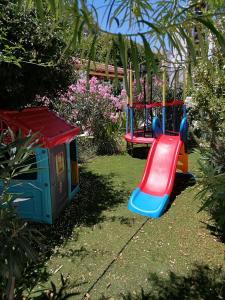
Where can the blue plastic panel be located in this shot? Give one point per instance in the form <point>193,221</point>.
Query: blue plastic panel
<point>37,206</point>
<point>156,127</point>
<point>147,205</point>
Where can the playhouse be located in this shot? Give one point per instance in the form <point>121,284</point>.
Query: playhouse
<point>42,194</point>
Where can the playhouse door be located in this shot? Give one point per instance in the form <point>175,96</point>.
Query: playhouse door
<point>58,177</point>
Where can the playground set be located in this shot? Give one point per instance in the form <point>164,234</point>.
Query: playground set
<point>42,194</point>
<point>168,147</point>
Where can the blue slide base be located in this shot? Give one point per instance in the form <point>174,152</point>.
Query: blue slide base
<point>147,205</point>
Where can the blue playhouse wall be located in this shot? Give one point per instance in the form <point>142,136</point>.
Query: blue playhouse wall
<point>34,196</point>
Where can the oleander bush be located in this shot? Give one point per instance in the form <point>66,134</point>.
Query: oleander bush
<point>19,242</point>
<point>93,107</point>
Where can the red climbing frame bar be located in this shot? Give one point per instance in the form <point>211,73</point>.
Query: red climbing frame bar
<point>138,105</point>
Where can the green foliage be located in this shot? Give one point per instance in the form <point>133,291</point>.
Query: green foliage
<point>33,62</point>
<point>93,107</point>
<point>53,293</point>
<point>108,135</point>
<point>212,193</point>
<point>202,282</point>
<point>14,158</point>
<point>208,114</point>
<point>18,240</point>
<point>162,26</point>
<point>209,108</point>
<point>106,50</point>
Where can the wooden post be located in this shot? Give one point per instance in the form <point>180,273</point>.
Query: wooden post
<point>131,87</point>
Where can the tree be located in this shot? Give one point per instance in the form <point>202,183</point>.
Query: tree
<point>162,26</point>
<point>31,59</point>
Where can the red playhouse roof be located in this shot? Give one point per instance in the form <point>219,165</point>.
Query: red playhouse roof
<point>51,129</point>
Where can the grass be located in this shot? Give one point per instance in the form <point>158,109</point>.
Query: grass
<point>110,253</point>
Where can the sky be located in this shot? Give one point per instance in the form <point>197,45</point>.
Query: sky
<point>101,6</point>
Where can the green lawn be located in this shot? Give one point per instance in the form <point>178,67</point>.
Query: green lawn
<point>174,257</point>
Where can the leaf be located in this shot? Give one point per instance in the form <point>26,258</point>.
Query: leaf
<point>135,64</point>
<point>150,58</point>
<point>155,27</point>
<point>91,55</point>
<point>189,42</point>
<point>110,11</point>
<point>123,55</point>
<point>177,46</point>
<point>114,46</point>
<point>209,24</point>
<point>109,50</point>
<point>75,37</point>
<point>52,5</point>
<point>116,13</point>
<point>40,8</point>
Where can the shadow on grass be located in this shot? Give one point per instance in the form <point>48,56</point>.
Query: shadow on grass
<point>202,283</point>
<point>140,152</point>
<point>97,193</point>
<point>215,231</point>
<point>181,182</point>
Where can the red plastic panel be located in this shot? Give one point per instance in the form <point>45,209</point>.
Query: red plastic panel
<point>140,105</point>
<point>138,139</point>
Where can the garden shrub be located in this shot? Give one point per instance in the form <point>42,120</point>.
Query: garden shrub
<point>212,192</point>
<point>209,108</point>
<point>39,49</point>
<point>208,114</point>
<point>19,242</point>
<point>93,107</point>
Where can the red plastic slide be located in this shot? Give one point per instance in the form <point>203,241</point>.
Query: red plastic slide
<point>151,197</point>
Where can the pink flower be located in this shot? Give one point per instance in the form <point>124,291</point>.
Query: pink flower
<point>116,102</point>
<point>81,86</point>
<point>72,88</point>
<point>114,117</point>
<point>63,99</point>
<point>74,113</point>
<point>93,81</point>
<point>140,96</point>
<point>104,91</point>
<point>123,93</point>
<point>71,98</point>
<point>43,100</point>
